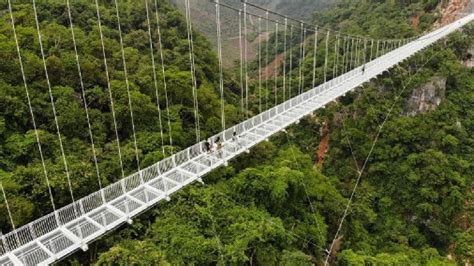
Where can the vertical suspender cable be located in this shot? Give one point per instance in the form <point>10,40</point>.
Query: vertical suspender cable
<point>347,54</point>
<point>315,50</point>
<point>242,64</point>
<point>284,58</point>
<point>219,55</point>
<point>259,65</point>
<point>81,81</point>
<point>343,55</point>
<point>301,59</point>
<point>267,67</point>
<point>165,85</point>
<point>336,54</point>
<point>246,60</point>
<point>371,49</point>
<point>326,57</point>
<point>357,62</point>
<point>107,76</point>
<point>378,49</point>
<point>304,55</point>
<point>351,64</point>
<point>365,51</point>
<point>155,79</point>
<point>193,73</point>
<point>276,65</point>
<point>10,214</point>
<point>290,72</point>
<point>53,105</point>
<point>127,85</point>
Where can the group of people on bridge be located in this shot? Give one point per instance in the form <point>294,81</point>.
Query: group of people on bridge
<point>218,144</point>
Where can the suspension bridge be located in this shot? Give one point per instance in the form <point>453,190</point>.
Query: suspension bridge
<point>70,228</point>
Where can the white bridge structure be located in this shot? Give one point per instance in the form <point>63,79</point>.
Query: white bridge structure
<point>72,227</point>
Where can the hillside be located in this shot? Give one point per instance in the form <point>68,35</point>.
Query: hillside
<point>203,15</point>
<point>281,203</point>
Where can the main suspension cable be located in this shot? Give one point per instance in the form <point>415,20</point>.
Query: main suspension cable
<point>33,120</point>
<point>84,98</point>
<point>53,105</point>
<point>109,87</point>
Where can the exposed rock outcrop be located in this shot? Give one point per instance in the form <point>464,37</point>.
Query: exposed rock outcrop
<point>427,97</point>
<point>453,10</point>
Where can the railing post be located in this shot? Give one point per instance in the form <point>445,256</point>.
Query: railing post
<point>173,159</point>
<point>4,243</point>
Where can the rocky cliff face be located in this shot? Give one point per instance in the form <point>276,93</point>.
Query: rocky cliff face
<point>427,97</point>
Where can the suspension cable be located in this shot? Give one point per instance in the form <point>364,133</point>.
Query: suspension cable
<point>25,84</point>
<point>284,58</point>
<point>219,53</point>
<point>357,62</point>
<point>242,65</point>
<point>305,190</point>
<point>300,63</point>
<point>336,57</point>
<point>326,57</point>
<point>53,105</point>
<point>84,98</point>
<point>127,85</point>
<point>303,77</point>
<point>290,76</point>
<point>267,50</point>
<point>163,72</point>
<point>343,55</point>
<point>246,61</point>
<point>315,51</point>
<point>193,73</point>
<point>307,24</point>
<point>10,216</point>
<point>109,87</point>
<point>259,65</point>
<point>276,65</point>
<point>351,64</point>
<point>378,47</point>
<point>371,49</point>
<point>366,161</point>
<point>365,51</point>
<point>155,80</point>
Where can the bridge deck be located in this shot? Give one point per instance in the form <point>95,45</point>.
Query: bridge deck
<point>56,235</point>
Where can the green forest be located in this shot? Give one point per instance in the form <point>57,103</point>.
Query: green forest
<point>277,205</point>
